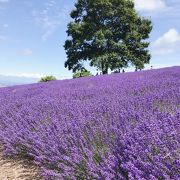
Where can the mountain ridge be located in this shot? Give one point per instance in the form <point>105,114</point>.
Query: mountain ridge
<point>7,80</point>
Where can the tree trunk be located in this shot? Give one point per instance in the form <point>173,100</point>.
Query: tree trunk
<point>104,69</point>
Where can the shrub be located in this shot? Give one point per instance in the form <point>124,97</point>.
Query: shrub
<point>47,78</point>
<point>83,73</point>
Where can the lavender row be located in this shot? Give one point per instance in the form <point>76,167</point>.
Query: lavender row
<point>121,126</point>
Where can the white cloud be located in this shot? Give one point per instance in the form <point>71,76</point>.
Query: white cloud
<point>150,5</point>
<point>172,36</point>
<point>2,4</point>
<point>49,26</point>
<point>167,43</point>
<point>30,75</point>
<point>3,1</point>
<point>50,17</point>
<point>27,52</point>
<point>2,38</point>
<point>26,75</point>
<point>5,25</point>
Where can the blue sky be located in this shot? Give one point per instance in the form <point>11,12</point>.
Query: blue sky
<point>32,35</point>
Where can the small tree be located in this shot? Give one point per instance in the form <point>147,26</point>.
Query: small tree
<point>108,33</point>
<point>82,73</point>
<point>47,78</point>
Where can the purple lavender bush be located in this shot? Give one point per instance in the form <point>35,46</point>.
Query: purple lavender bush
<point>121,126</point>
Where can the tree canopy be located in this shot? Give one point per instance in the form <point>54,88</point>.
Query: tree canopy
<point>110,34</point>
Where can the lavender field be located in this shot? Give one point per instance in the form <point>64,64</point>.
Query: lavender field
<point>120,126</point>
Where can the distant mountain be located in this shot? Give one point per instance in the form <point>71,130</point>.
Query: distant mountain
<point>14,80</point>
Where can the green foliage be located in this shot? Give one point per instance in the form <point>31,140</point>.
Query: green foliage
<point>81,172</point>
<point>47,78</point>
<point>108,33</point>
<point>83,73</point>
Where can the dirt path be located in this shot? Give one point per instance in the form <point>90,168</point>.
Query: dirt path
<point>15,169</point>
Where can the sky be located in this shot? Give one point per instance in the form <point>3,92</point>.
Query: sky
<point>33,32</point>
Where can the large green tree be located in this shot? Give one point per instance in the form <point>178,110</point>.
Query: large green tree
<point>108,33</point>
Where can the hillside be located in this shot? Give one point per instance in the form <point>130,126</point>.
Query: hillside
<point>120,126</point>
